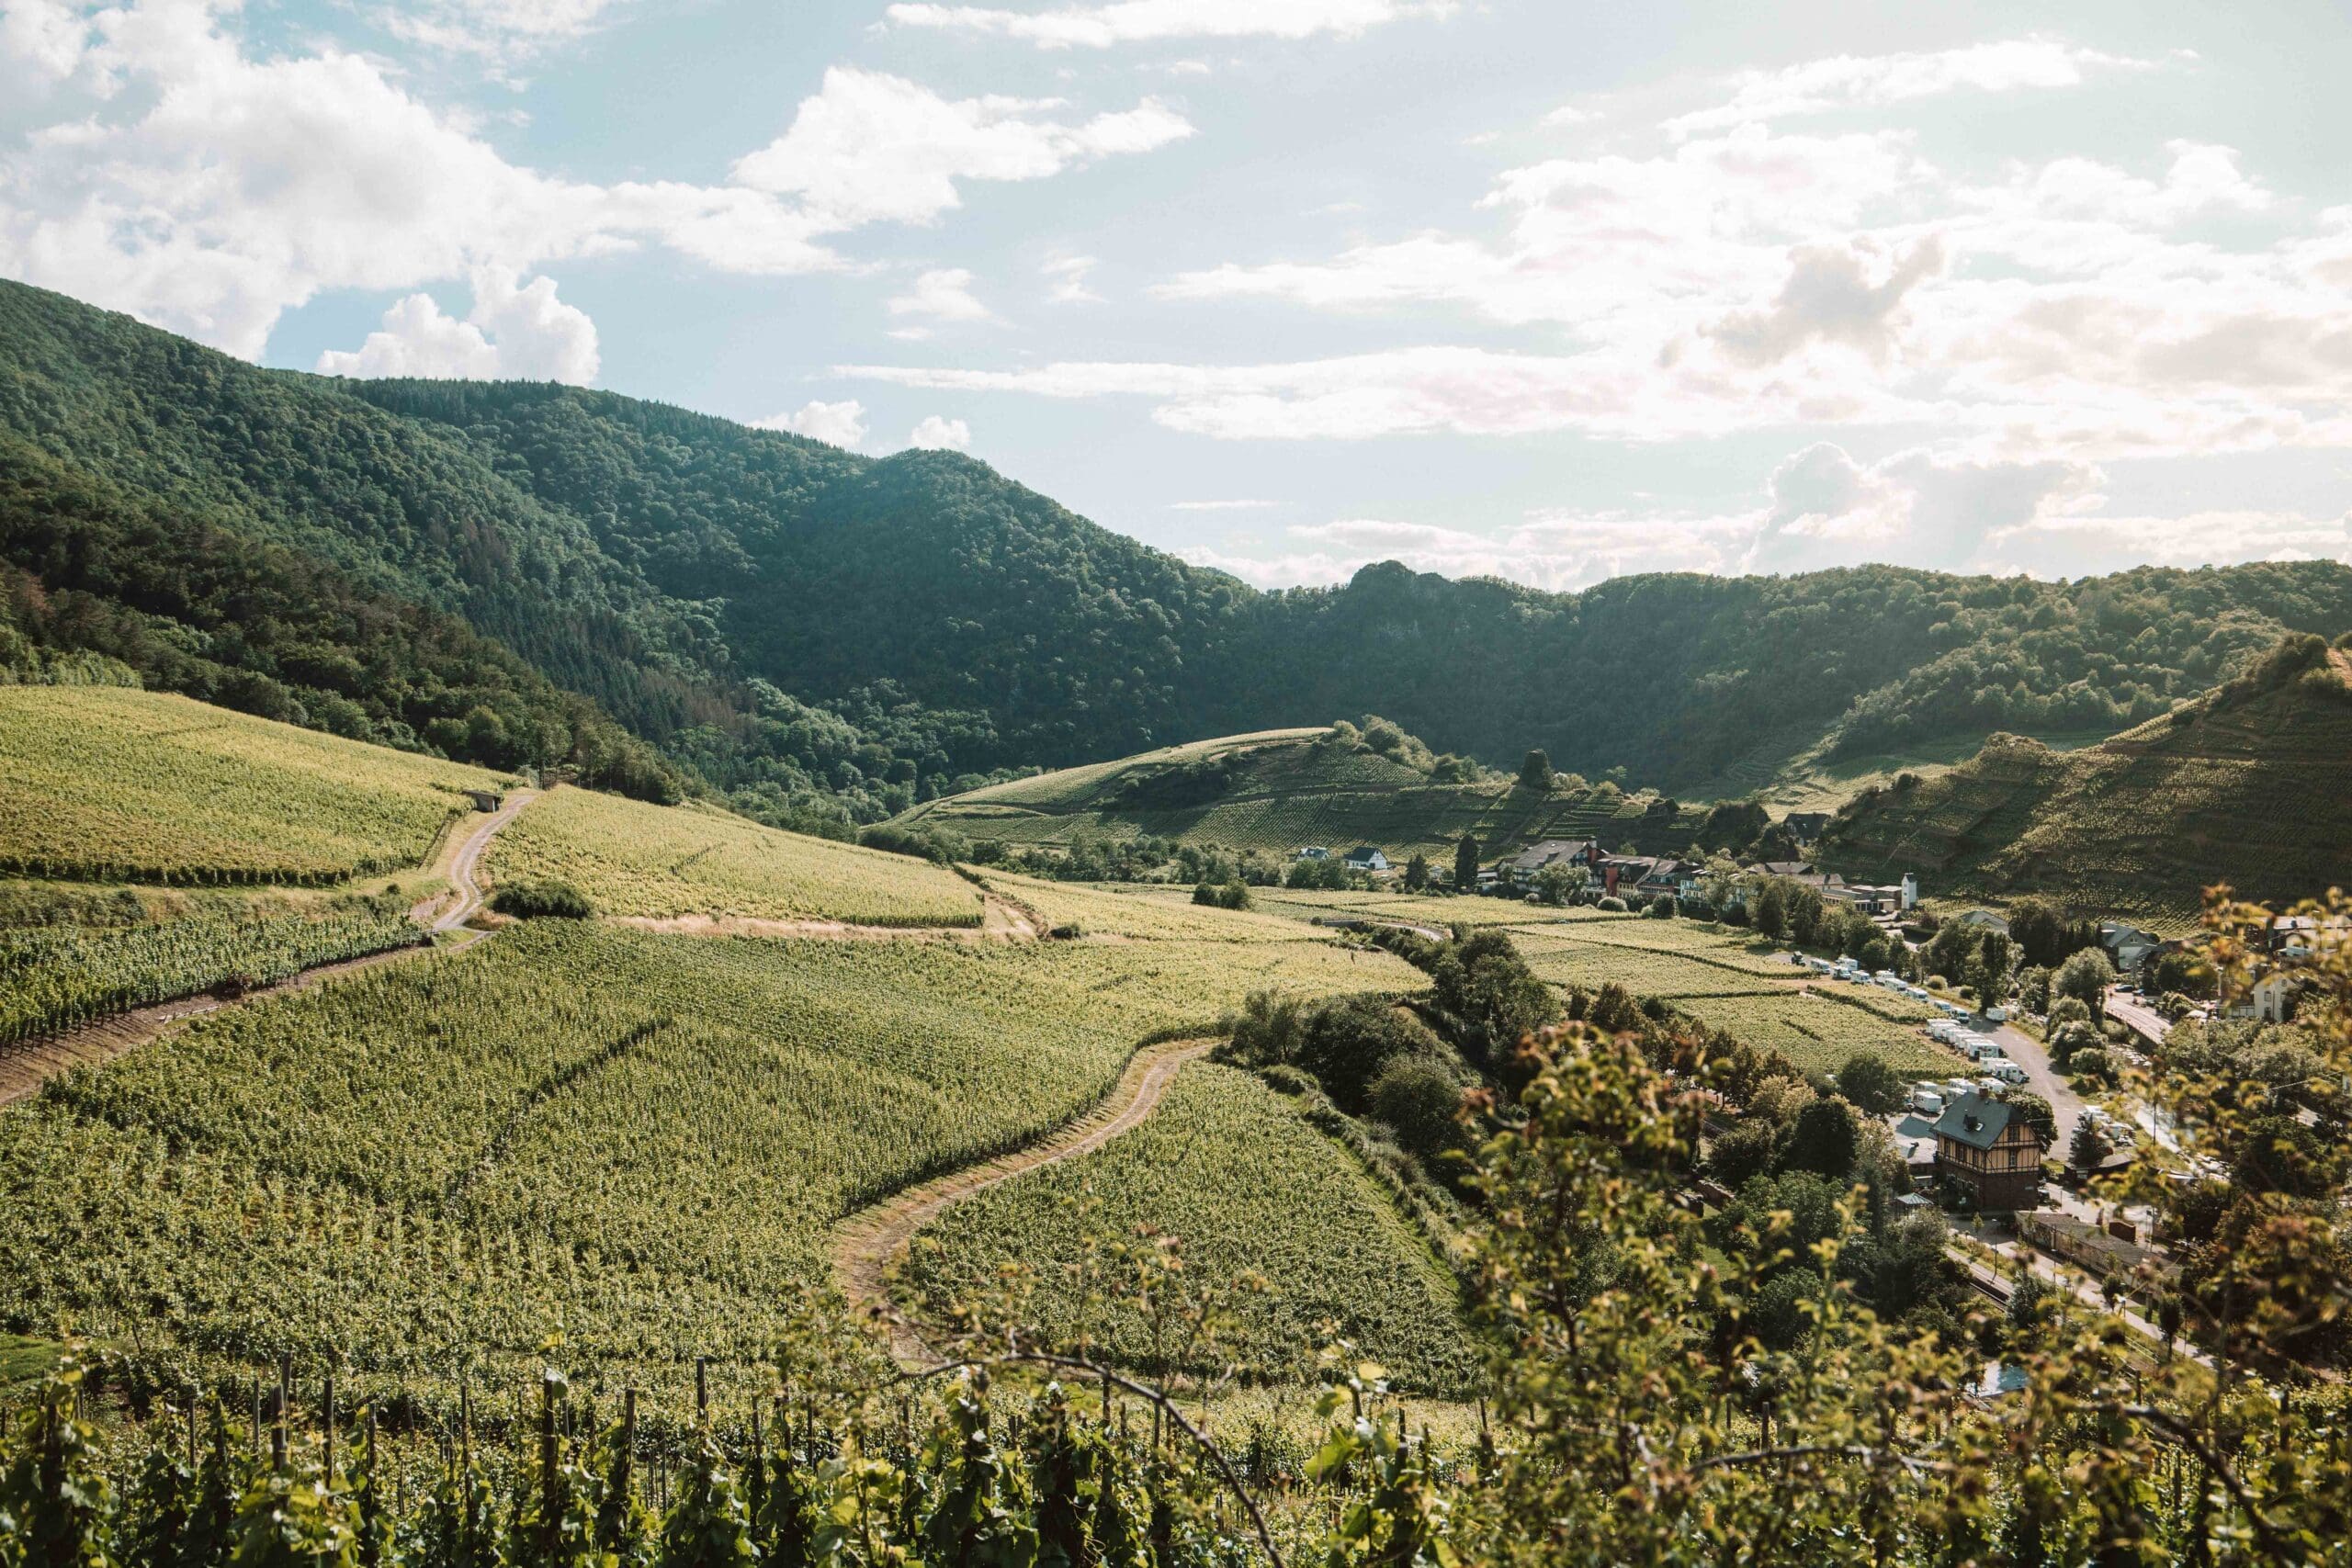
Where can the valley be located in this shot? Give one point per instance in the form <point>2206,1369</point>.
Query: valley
<point>509,887</point>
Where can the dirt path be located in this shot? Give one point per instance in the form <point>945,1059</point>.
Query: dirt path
<point>1002,919</point>
<point>871,1241</point>
<point>28,1065</point>
<point>463,866</point>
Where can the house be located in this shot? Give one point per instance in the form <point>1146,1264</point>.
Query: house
<point>1987,1153</point>
<point>1804,827</point>
<point>1670,878</point>
<point>1363,857</point>
<point>1621,874</point>
<point>1522,867</point>
<point>2127,943</point>
<point>485,799</point>
<point>1790,868</point>
<point>1984,919</point>
<point>1315,851</point>
<point>2270,999</point>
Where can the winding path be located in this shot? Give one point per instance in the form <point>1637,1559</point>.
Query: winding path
<point>25,1066</point>
<point>871,1241</point>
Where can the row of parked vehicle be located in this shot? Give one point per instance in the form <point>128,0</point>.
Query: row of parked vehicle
<point>1887,979</point>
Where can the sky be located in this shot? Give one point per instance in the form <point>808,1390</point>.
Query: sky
<point>1539,289</point>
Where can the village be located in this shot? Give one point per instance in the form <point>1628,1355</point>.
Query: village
<point>2015,1151</point>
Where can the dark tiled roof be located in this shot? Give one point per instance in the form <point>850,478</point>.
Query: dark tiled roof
<point>1974,1121</point>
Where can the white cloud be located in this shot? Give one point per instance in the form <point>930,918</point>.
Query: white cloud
<point>1146,21</point>
<point>842,424</point>
<point>872,148</point>
<point>1820,508</point>
<point>210,190</point>
<point>943,294</point>
<point>1219,505</point>
<point>500,30</point>
<point>934,431</point>
<point>1848,294</point>
<point>1068,286</point>
<point>1845,81</point>
<point>515,331</point>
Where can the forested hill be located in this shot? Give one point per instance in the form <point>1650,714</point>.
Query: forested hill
<point>800,626</point>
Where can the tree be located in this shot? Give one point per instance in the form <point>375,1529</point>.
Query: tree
<point>1988,971</point>
<point>2184,970</point>
<point>2087,1147</point>
<point>1870,1083</point>
<point>1465,864</point>
<point>2086,976</point>
<point>1823,1140</point>
<point>2033,988</point>
<point>1555,884</point>
<point>1536,771</point>
<point>2035,1112</point>
<point>1417,872</point>
<point>1744,1150</point>
<point>1772,908</point>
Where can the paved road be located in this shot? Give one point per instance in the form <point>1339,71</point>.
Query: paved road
<point>2027,1052</point>
<point>2137,1016</point>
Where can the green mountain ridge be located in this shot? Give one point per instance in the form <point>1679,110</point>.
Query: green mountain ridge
<point>815,633</point>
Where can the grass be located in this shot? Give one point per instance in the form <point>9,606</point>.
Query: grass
<point>637,859</point>
<point>1248,1194</point>
<point>2246,788</point>
<point>643,1139</point>
<point>102,784</point>
<point>1280,790</point>
<point>1143,912</point>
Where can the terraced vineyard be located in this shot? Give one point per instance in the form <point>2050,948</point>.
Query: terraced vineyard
<point>2247,787</point>
<point>104,784</point>
<point>641,1138</point>
<point>54,977</point>
<point>1153,913</point>
<point>658,861</point>
<point>1245,1186</point>
<point>1278,790</point>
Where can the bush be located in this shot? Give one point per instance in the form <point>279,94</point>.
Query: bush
<point>1205,893</point>
<point>1661,908</point>
<point>1417,1097</point>
<point>2091,1062</point>
<point>1283,1078</point>
<point>1234,894</point>
<point>537,901</point>
<point>1612,903</point>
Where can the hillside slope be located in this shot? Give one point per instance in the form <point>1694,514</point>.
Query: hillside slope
<point>808,629</point>
<point>2251,785</point>
<point>1277,791</point>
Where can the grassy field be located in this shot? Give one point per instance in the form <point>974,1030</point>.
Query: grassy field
<point>1278,790</point>
<point>102,784</point>
<point>1145,912</point>
<point>1245,1187</point>
<point>633,858</point>
<point>643,1139</point>
<point>2248,788</point>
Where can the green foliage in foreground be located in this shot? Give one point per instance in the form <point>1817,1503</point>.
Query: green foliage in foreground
<point>54,977</point>
<point>1228,1181</point>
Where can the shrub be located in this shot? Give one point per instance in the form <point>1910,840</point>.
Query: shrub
<point>1205,893</point>
<point>538,900</point>
<point>1661,909</point>
<point>1417,1097</point>
<point>1612,903</point>
<point>2092,1063</point>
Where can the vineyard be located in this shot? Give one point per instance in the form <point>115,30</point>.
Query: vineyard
<point>1278,790</point>
<point>104,783</point>
<point>54,977</point>
<point>1231,1175</point>
<point>637,859</point>
<point>1145,912</point>
<point>2245,786</point>
<point>643,1139</point>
